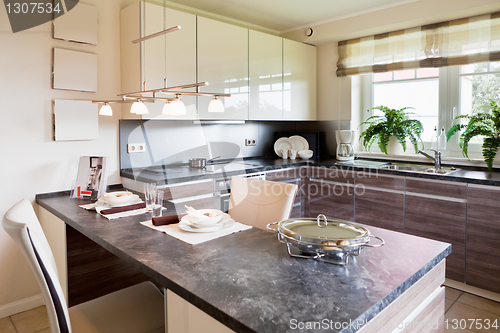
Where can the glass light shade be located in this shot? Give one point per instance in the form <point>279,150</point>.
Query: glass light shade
<point>139,108</point>
<point>166,108</point>
<point>177,108</point>
<point>216,106</point>
<point>106,110</point>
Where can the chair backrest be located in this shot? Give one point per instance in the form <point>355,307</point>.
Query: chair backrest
<point>22,225</point>
<point>258,202</point>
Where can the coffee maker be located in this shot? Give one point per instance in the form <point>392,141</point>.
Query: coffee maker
<point>345,151</point>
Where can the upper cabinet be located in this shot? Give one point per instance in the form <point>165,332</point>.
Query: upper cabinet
<point>268,77</point>
<point>223,63</point>
<point>299,81</point>
<point>171,56</point>
<point>265,68</point>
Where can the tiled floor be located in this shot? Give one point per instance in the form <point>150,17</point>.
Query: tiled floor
<point>459,306</point>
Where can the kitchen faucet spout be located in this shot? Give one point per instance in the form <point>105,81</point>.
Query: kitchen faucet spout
<point>436,158</point>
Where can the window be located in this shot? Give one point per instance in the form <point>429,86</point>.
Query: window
<point>438,96</point>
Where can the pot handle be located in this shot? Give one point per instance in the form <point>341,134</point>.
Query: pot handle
<point>272,229</point>
<point>376,245</point>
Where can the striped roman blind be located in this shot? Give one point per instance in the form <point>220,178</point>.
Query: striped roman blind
<point>458,42</point>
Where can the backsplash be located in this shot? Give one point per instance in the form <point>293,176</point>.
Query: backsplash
<point>176,141</point>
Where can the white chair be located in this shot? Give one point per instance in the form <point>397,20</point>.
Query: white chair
<point>258,202</point>
<point>135,309</point>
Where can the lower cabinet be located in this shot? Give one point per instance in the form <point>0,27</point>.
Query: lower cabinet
<point>380,200</point>
<point>431,214</point>
<point>483,231</point>
<point>333,199</point>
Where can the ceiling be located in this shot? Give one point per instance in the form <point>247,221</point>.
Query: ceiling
<point>285,15</point>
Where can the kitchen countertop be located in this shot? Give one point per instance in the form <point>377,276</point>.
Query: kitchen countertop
<point>248,281</point>
<point>179,174</point>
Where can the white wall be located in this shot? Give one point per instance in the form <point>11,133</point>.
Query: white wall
<point>31,162</point>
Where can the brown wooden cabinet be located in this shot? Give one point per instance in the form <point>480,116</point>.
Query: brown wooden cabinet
<point>379,200</point>
<point>437,210</point>
<point>331,192</point>
<point>297,176</point>
<point>483,233</point>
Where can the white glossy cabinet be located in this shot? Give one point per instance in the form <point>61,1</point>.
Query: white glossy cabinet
<point>223,62</point>
<point>299,81</point>
<point>266,76</point>
<point>171,56</point>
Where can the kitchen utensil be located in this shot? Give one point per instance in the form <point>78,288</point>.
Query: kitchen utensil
<point>284,153</point>
<point>305,154</point>
<point>149,194</point>
<point>345,151</point>
<point>293,154</point>
<point>157,203</point>
<point>200,163</point>
<point>283,144</point>
<point>224,223</point>
<point>300,142</point>
<point>328,240</point>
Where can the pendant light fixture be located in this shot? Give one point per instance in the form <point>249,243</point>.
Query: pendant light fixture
<point>139,108</point>
<point>177,107</point>
<point>106,110</point>
<point>172,107</point>
<point>216,105</point>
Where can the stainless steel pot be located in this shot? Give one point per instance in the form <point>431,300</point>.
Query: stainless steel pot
<point>328,240</point>
<point>200,163</point>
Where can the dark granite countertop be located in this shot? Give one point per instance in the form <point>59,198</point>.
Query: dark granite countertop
<point>248,281</point>
<point>179,174</point>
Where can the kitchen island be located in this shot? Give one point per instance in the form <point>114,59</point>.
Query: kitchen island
<point>249,283</point>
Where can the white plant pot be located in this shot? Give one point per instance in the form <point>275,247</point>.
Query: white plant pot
<point>394,147</point>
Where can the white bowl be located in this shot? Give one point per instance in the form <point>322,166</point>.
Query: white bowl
<point>118,197</point>
<point>206,220</point>
<point>305,154</point>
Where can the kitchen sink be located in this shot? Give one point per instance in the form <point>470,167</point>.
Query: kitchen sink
<point>418,168</point>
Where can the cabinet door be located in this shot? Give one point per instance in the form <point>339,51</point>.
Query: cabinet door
<point>299,81</point>
<point>379,200</point>
<point>223,62</point>
<point>431,215</point>
<point>334,199</point>
<point>265,72</point>
<point>173,58</point>
<point>483,233</point>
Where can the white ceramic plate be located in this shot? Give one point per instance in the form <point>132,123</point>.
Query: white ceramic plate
<point>101,202</point>
<point>283,143</point>
<point>224,223</point>
<point>300,142</point>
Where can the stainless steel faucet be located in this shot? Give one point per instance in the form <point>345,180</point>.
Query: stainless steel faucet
<point>436,158</point>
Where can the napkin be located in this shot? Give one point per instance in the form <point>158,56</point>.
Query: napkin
<point>196,238</point>
<point>122,209</point>
<point>165,220</point>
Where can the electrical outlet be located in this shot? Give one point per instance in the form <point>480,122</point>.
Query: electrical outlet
<point>250,142</point>
<point>136,148</point>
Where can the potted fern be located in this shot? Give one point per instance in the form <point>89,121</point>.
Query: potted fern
<point>486,124</point>
<point>394,125</point>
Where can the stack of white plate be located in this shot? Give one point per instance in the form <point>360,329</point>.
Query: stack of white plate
<point>118,199</point>
<point>199,222</point>
<point>296,142</point>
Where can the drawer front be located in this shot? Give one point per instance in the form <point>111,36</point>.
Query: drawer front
<point>374,179</point>
<point>483,234</point>
<point>334,174</point>
<point>296,212</point>
<point>286,174</point>
<point>380,209</point>
<point>188,190</point>
<point>440,188</point>
<point>333,200</point>
<point>443,221</point>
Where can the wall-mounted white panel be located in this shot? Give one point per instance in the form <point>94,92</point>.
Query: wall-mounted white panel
<point>75,120</point>
<point>74,70</point>
<point>78,25</point>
